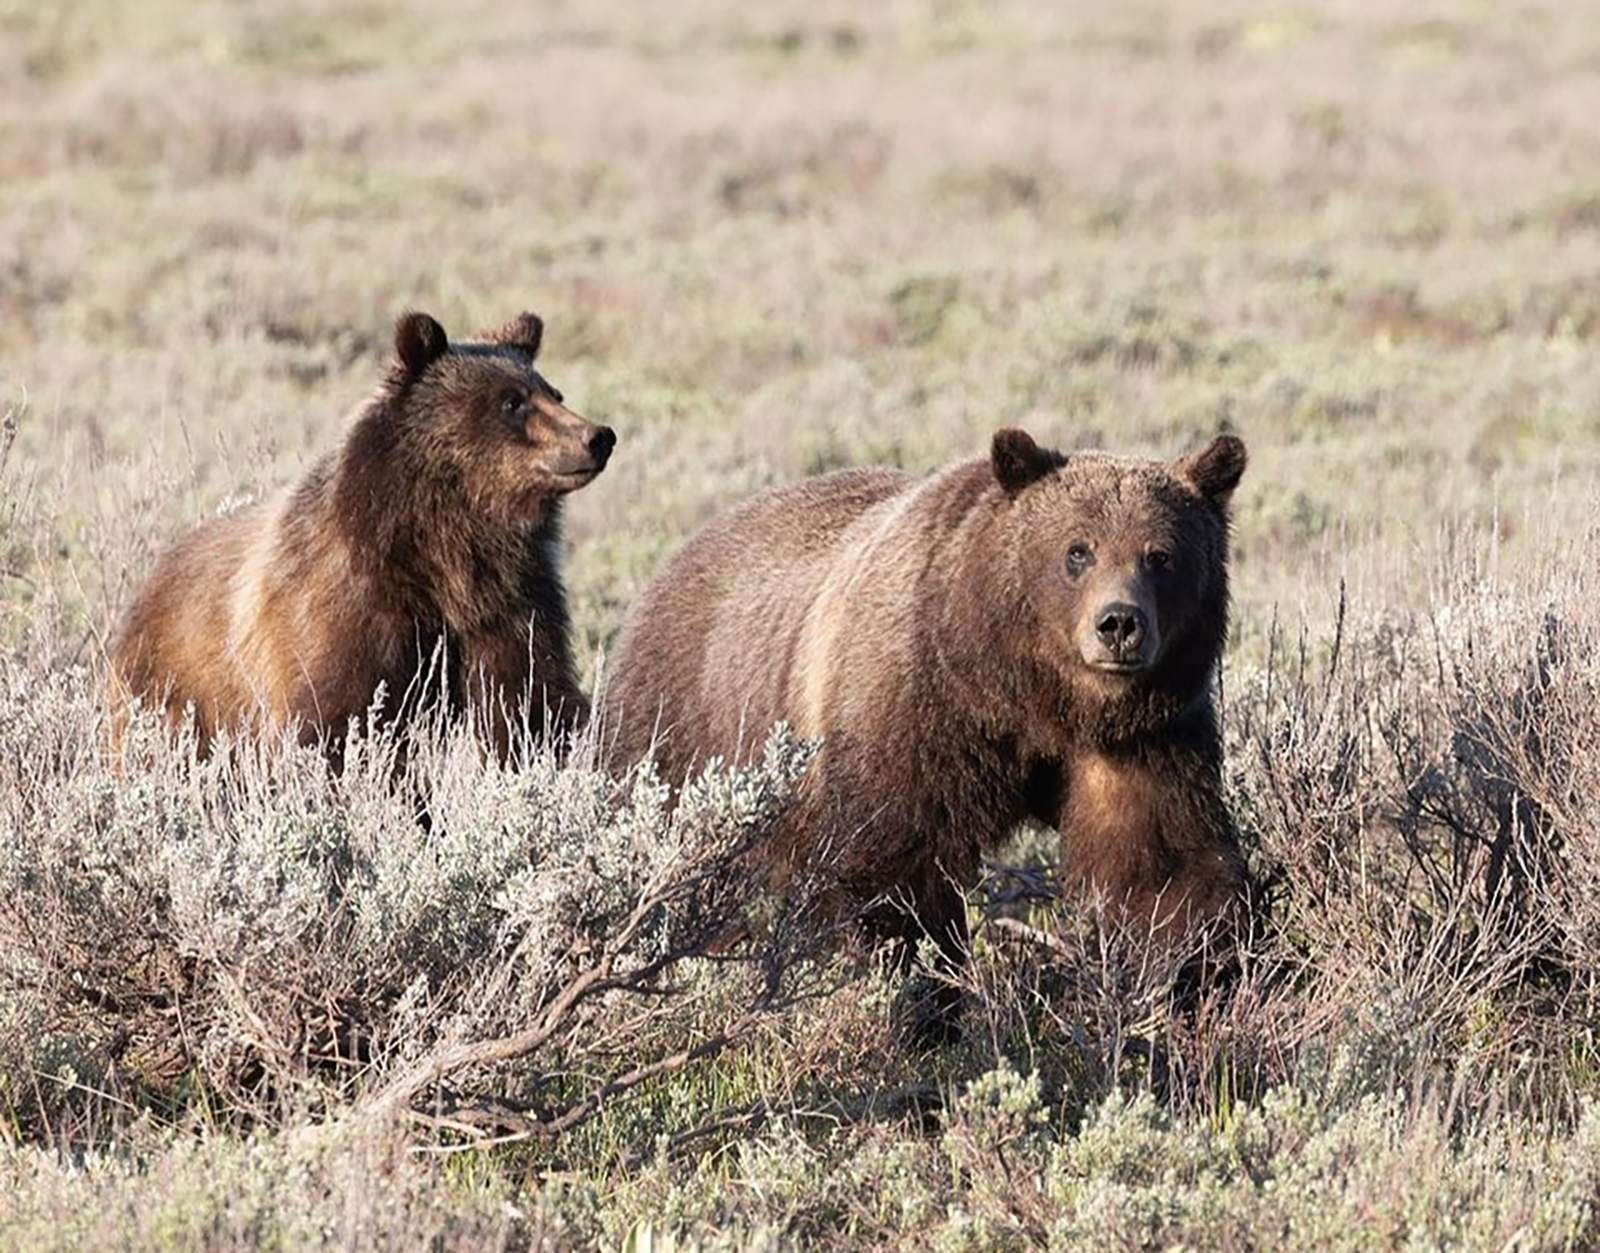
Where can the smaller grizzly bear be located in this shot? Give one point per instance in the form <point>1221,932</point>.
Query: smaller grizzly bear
<point>1032,634</point>
<point>422,555</point>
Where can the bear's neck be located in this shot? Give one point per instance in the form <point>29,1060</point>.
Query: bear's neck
<point>423,551</point>
<point>1143,711</point>
<point>976,670</point>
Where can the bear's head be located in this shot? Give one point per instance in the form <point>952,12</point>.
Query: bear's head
<point>1119,569</point>
<point>480,417</point>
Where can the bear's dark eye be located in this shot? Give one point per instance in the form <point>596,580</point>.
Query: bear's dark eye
<point>1156,559</point>
<point>1079,557</point>
<point>511,404</point>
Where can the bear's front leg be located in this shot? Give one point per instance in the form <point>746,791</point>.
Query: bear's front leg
<point>1145,826</point>
<point>517,689</point>
<point>934,909</point>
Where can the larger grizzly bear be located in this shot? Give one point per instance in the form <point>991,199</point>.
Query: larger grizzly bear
<point>421,555</point>
<point>1031,633</point>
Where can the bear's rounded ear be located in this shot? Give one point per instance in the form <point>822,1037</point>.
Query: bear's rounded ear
<point>1216,469</point>
<point>1018,461</point>
<point>525,331</point>
<point>419,341</point>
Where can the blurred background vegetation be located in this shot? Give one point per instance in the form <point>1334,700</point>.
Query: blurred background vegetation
<point>776,239</point>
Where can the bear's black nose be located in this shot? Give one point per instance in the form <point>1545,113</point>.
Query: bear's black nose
<point>1121,628</point>
<point>601,443</point>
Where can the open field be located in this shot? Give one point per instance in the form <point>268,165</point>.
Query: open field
<point>769,240</point>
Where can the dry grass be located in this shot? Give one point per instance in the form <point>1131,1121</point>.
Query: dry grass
<point>770,240</point>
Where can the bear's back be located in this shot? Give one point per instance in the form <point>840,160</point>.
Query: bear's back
<point>174,644</point>
<point>707,650</point>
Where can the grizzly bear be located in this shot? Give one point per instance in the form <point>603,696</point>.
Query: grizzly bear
<point>1032,634</point>
<point>419,561</point>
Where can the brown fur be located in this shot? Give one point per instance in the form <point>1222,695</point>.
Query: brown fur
<point>946,639</point>
<point>431,535</point>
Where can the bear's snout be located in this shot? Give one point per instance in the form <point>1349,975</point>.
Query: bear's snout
<point>1121,629</point>
<point>601,441</point>
<point>1120,635</point>
<point>579,452</point>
